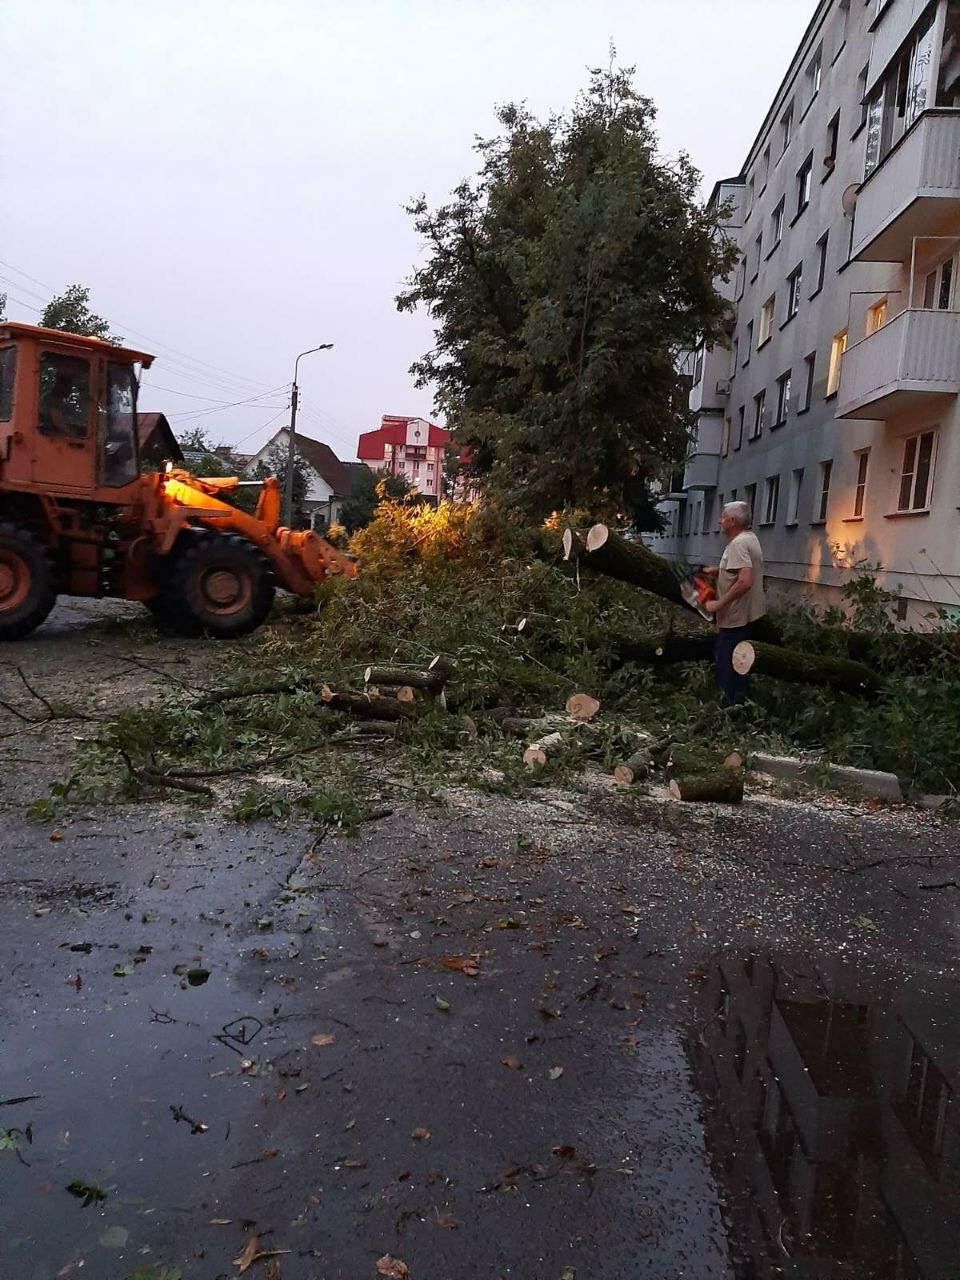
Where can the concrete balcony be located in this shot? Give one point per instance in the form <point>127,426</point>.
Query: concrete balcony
<point>701,471</point>
<point>914,191</point>
<point>911,360</point>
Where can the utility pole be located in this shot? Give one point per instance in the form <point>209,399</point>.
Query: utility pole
<point>291,443</point>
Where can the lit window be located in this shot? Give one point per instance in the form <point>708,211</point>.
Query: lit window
<point>771,499</point>
<point>794,282</point>
<point>837,348</point>
<point>861,489</point>
<point>917,472</point>
<point>766,320</point>
<point>823,492</point>
<point>876,316</point>
<point>783,398</point>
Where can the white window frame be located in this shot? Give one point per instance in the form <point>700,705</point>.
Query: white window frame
<point>837,348</point>
<point>822,504</point>
<point>933,285</point>
<point>767,313</point>
<point>776,221</point>
<point>809,377</point>
<point>759,414</point>
<point>813,76</point>
<point>910,471</point>
<point>794,285</point>
<point>804,184</point>
<point>860,487</point>
<point>784,388</point>
<point>876,316</point>
<point>786,129</point>
<point>771,499</point>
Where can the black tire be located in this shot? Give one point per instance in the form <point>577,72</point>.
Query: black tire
<point>218,585</point>
<point>27,590</point>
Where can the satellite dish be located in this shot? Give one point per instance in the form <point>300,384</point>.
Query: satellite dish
<point>849,198</point>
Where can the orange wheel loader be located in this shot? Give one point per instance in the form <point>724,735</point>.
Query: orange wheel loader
<point>78,518</point>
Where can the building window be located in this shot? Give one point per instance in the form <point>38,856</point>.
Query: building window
<point>837,348</point>
<point>876,316</point>
<point>794,283</point>
<point>843,17</point>
<point>861,489</point>
<point>764,168</point>
<point>783,398</point>
<point>734,357</point>
<point>804,180</point>
<point>771,499</point>
<point>776,221</point>
<point>725,437</point>
<point>746,358</point>
<point>823,492</point>
<point>814,76</point>
<point>916,473</point>
<point>862,98</point>
<point>698,365</point>
<point>833,144</point>
<point>766,320</point>
<point>757,252</point>
<point>904,92</point>
<point>741,278</point>
<point>750,498</point>
<point>793,498</point>
<point>759,413</point>
<point>750,198</point>
<point>741,413</point>
<point>938,287</point>
<point>786,128</point>
<point>809,367</point>
<point>821,263</point>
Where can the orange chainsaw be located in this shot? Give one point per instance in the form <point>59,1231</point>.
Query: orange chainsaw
<point>697,587</point>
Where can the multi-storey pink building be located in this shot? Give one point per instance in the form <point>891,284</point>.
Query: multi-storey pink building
<point>408,447</point>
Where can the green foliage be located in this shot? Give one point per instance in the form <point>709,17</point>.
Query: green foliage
<point>70,311</point>
<point>260,802</point>
<point>564,279</point>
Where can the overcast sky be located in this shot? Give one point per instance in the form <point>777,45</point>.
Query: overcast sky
<point>228,176</point>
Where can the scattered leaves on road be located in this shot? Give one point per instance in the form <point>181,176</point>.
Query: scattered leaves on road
<point>253,1253</point>
<point>323,1039</point>
<point>420,1135</point>
<point>442,1005</point>
<point>391,1267</point>
<point>555,1073</point>
<point>513,1063</point>
<point>469,966</point>
<point>88,1192</point>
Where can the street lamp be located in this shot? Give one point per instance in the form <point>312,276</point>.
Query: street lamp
<point>291,450</point>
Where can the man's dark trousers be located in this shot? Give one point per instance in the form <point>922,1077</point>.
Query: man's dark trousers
<point>733,687</point>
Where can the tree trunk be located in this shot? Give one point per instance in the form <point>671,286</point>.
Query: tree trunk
<point>633,770</point>
<point>432,681</point>
<point>726,786</point>
<point>791,665</point>
<point>367,708</point>
<point>606,552</point>
<point>582,706</point>
<point>536,755</point>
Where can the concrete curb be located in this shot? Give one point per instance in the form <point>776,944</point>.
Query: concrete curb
<point>870,782</point>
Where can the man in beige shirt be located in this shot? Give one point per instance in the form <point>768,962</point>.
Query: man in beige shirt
<point>740,600</point>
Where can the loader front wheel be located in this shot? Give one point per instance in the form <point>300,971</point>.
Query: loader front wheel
<point>27,592</point>
<point>221,585</point>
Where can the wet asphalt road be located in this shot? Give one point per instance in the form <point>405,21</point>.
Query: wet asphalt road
<point>244,1031</point>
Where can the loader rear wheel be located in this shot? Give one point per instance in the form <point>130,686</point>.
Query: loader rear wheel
<point>27,592</point>
<point>221,585</point>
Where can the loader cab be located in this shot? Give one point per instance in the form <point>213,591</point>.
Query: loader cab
<point>68,414</point>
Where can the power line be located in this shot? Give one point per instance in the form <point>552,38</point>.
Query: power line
<point>204,413</point>
<point>155,386</point>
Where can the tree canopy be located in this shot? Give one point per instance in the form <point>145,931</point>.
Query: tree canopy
<point>70,311</point>
<point>564,280</point>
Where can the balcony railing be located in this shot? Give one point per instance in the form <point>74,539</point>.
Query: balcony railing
<point>914,191</point>
<point>913,358</point>
<point>701,471</point>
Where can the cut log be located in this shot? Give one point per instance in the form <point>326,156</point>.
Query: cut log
<point>607,552</point>
<point>367,708</point>
<point>582,706</point>
<point>733,761</point>
<point>574,544</point>
<point>633,770</point>
<point>743,657</point>
<point>406,694</point>
<point>431,680</point>
<point>537,753</point>
<point>724,786</point>
<point>516,726</point>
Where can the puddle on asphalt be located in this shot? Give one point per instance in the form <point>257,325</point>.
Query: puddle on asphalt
<point>833,1119</point>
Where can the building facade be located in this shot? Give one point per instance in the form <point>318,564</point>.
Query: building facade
<point>408,447</point>
<point>329,481</point>
<point>834,413</point>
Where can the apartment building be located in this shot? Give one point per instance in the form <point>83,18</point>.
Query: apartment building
<point>834,413</point>
<point>408,447</point>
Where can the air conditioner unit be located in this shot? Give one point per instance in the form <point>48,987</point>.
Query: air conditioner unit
<point>723,386</point>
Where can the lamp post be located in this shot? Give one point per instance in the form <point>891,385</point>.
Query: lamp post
<point>291,449</point>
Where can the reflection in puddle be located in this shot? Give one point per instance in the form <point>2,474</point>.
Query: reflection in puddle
<point>833,1120</point>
